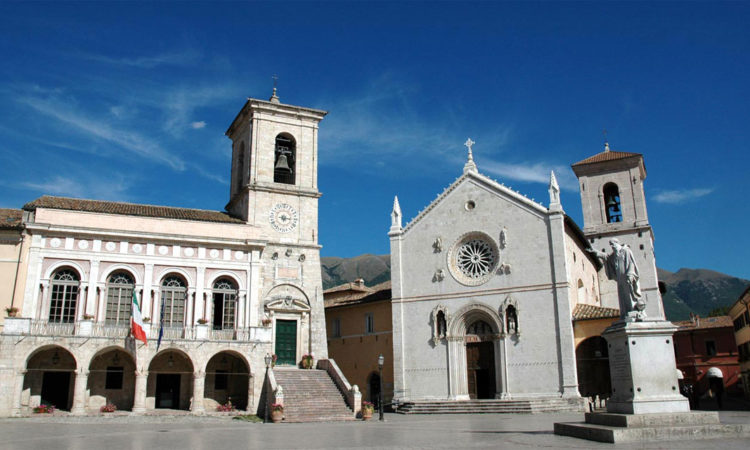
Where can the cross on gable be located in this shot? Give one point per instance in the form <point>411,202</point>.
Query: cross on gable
<point>469,143</point>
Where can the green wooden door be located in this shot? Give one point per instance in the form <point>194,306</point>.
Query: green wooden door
<point>286,342</point>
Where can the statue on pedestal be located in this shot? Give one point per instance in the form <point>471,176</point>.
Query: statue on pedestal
<point>621,267</point>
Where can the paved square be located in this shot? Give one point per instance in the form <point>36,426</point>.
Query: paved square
<point>399,431</point>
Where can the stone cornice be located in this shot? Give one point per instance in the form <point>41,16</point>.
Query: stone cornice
<point>482,293</point>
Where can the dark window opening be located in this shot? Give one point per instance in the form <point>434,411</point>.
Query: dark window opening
<point>612,203</point>
<point>221,380</point>
<point>711,348</point>
<point>114,377</point>
<point>285,158</point>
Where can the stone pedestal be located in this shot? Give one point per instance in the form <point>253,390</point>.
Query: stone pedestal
<point>642,368</point>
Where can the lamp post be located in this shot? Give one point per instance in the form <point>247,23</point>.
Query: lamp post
<point>267,360</point>
<point>381,360</point>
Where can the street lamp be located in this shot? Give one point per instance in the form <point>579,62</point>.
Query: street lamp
<point>381,360</point>
<point>267,360</point>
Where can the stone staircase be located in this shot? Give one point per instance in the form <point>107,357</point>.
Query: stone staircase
<point>528,406</point>
<point>311,396</point>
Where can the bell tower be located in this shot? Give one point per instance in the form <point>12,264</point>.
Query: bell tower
<point>274,165</point>
<point>614,206</point>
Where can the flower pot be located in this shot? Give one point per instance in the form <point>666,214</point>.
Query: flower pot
<point>277,416</point>
<point>12,313</point>
<point>367,414</point>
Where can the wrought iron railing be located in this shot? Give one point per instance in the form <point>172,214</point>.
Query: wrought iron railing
<point>110,330</point>
<point>47,328</point>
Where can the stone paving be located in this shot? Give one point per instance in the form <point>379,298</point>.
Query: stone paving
<point>398,431</point>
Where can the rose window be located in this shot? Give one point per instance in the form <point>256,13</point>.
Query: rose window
<point>473,259</point>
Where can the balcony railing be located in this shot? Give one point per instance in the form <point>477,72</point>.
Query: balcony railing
<point>102,329</point>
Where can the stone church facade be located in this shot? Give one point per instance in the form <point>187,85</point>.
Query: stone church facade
<point>485,283</point>
<point>226,288</point>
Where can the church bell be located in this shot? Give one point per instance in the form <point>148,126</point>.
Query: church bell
<point>613,204</point>
<point>282,163</point>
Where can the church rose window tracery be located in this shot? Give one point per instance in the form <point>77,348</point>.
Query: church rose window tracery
<point>473,259</point>
<point>119,298</point>
<point>64,296</point>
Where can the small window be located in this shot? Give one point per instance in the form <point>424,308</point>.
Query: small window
<point>336,325</point>
<point>221,380</point>
<point>114,377</point>
<point>369,324</point>
<point>710,348</point>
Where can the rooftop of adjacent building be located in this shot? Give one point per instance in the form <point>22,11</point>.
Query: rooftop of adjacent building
<point>129,209</point>
<point>590,312</point>
<point>356,293</point>
<point>702,323</point>
<point>11,219</point>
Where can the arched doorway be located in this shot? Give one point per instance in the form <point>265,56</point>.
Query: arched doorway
<point>373,389</point>
<point>170,380</point>
<point>112,380</point>
<point>227,379</point>
<point>50,374</point>
<point>592,362</point>
<point>480,360</point>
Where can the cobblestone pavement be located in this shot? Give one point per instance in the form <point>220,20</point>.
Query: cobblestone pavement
<point>398,431</point>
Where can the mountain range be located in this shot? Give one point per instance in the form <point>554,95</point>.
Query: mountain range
<point>697,291</point>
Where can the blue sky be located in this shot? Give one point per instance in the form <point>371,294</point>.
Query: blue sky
<point>130,101</point>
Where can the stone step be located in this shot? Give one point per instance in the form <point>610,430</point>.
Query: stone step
<point>311,396</point>
<point>490,406</point>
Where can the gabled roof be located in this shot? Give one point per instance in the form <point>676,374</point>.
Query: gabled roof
<point>607,155</point>
<point>129,209</point>
<point>483,179</point>
<point>380,291</point>
<point>590,312</point>
<point>11,219</point>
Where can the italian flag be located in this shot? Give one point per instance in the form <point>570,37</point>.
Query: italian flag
<point>136,322</point>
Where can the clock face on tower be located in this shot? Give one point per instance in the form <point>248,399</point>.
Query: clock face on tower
<point>283,218</point>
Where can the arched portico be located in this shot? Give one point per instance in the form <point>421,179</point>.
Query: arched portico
<point>50,378</point>
<point>228,378</point>
<point>478,328</point>
<point>111,379</point>
<point>170,380</point>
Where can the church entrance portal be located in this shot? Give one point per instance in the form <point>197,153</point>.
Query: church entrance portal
<point>56,389</point>
<point>168,390</point>
<point>480,365</point>
<point>286,342</point>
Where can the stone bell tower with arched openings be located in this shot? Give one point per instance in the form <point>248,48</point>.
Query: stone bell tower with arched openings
<point>274,187</point>
<point>614,206</point>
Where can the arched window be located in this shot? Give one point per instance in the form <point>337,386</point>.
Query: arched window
<point>225,304</point>
<point>173,294</point>
<point>581,292</point>
<point>612,203</point>
<point>64,296</point>
<point>120,287</point>
<point>285,158</point>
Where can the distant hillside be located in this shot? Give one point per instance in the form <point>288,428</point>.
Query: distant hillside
<point>373,269</point>
<point>688,290</point>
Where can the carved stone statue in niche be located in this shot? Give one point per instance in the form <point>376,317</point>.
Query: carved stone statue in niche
<point>511,318</point>
<point>439,324</point>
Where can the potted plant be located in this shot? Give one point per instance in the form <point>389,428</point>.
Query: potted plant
<point>307,361</point>
<point>146,319</point>
<point>367,409</point>
<point>277,412</point>
<point>108,408</point>
<point>88,317</point>
<point>273,360</point>
<point>11,311</point>
<point>202,321</point>
<point>226,407</point>
<point>44,409</point>
<point>266,322</point>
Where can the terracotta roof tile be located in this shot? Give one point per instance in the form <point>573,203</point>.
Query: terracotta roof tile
<point>129,209</point>
<point>380,291</point>
<point>587,312</point>
<point>11,219</point>
<point>705,323</point>
<point>606,156</point>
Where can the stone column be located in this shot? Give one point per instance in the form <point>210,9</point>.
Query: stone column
<point>139,399</point>
<point>18,392</point>
<point>199,381</point>
<point>79,393</point>
<point>251,393</point>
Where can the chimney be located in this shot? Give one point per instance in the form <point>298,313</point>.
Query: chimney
<point>360,282</point>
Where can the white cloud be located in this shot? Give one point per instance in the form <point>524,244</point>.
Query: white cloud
<point>123,138</point>
<point>112,188</point>
<point>530,173</point>
<point>198,125</point>
<point>185,58</point>
<point>681,196</point>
